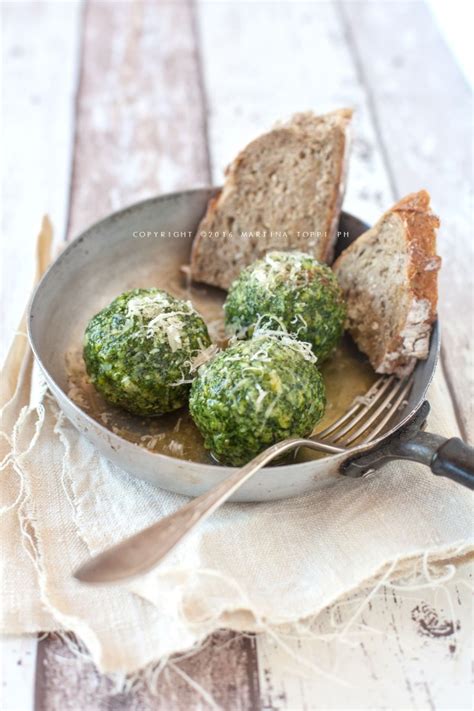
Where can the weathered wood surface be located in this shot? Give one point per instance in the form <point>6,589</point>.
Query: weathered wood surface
<point>271,74</point>
<point>17,672</point>
<point>140,113</point>
<point>394,650</point>
<point>422,107</point>
<point>39,78</point>
<point>222,675</point>
<point>40,72</point>
<point>152,75</point>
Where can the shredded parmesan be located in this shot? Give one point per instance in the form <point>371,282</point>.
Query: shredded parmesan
<point>175,447</point>
<point>155,317</point>
<point>150,441</point>
<point>277,267</point>
<point>261,396</point>
<point>263,328</point>
<point>191,366</point>
<point>203,356</point>
<point>270,408</point>
<point>148,312</point>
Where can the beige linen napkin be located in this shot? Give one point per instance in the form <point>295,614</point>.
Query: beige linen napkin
<point>250,567</point>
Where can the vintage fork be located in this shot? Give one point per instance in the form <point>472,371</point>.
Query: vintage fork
<point>361,424</point>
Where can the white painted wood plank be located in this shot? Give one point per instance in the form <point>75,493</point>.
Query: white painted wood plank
<point>40,67</point>
<point>285,57</point>
<point>140,123</point>
<point>456,30</point>
<point>17,673</point>
<point>401,651</point>
<point>40,72</point>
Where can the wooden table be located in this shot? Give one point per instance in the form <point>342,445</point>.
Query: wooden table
<point>107,103</point>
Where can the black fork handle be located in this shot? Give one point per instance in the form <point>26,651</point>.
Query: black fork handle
<point>451,458</point>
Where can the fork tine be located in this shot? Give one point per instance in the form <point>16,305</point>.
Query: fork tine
<point>370,397</point>
<point>380,425</point>
<point>388,404</point>
<point>364,406</point>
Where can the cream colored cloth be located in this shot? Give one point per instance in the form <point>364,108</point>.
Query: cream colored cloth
<point>249,567</point>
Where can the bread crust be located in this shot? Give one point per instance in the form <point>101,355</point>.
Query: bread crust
<point>302,124</point>
<point>411,342</point>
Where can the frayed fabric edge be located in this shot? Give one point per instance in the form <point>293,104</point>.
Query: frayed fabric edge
<point>29,537</point>
<point>432,569</point>
<point>424,572</point>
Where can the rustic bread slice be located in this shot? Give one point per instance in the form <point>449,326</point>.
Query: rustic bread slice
<point>287,186</point>
<point>389,276</point>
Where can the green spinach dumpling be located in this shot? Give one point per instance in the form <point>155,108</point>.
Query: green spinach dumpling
<point>139,351</point>
<point>254,394</point>
<point>290,291</point>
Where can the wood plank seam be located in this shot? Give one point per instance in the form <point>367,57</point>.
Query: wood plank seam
<point>82,18</point>
<point>369,97</point>
<point>201,85</point>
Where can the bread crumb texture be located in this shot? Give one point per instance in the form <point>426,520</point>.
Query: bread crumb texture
<point>283,191</point>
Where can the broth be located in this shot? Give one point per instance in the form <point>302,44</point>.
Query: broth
<point>347,375</point>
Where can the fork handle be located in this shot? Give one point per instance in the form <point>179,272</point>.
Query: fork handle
<point>144,550</point>
<point>451,458</point>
